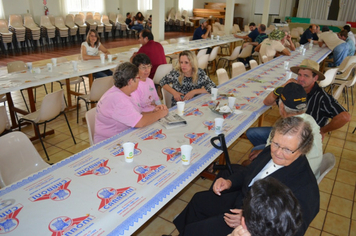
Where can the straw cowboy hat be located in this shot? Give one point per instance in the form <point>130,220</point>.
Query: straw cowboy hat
<point>276,35</point>
<point>308,64</point>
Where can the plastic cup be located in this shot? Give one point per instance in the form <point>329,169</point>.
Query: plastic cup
<point>302,46</point>
<point>37,70</point>
<point>49,67</point>
<point>102,58</point>
<point>29,66</point>
<point>180,108</point>
<point>129,151</point>
<point>75,65</point>
<point>212,37</point>
<point>214,94</point>
<point>288,75</point>
<point>303,51</point>
<point>219,125</point>
<point>218,37</point>
<point>54,62</point>
<point>186,153</point>
<point>231,101</point>
<point>311,44</point>
<point>286,65</point>
<point>110,58</point>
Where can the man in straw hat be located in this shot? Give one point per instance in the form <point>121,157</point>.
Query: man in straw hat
<point>321,105</point>
<point>273,46</point>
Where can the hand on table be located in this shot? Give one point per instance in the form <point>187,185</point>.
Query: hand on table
<point>233,220</point>
<point>189,95</point>
<point>240,231</point>
<point>177,96</point>
<point>160,107</point>
<point>220,185</point>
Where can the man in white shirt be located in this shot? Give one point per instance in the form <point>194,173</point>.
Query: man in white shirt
<point>350,33</point>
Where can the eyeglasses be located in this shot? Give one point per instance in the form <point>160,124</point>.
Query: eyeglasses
<point>285,150</point>
<point>145,67</point>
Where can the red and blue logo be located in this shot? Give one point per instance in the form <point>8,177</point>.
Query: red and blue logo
<point>120,151</point>
<point>209,124</point>
<point>146,173</point>
<point>64,225</point>
<point>195,137</point>
<point>99,168</point>
<point>56,192</point>
<point>210,103</point>
<point>156,134</point>
<point>8,220</point>
<point>194,112</point>
<point>110,196</point>
<point>171,153</point>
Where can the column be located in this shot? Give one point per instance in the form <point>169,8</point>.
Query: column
<point>229,16</point>
<point>158,19</point>
<point>266,12</point>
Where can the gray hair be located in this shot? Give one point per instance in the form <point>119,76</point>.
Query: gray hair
<point>291,111</point>
<point>123,73</point>
<point>295,126</point>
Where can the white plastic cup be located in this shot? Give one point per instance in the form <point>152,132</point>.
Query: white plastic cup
<point>37,70</point>
<point>231,101</point>
<point>300,50</point>
<point>286,65</point>
<point>302,46</point>
<point>75,65</point>
<point>29,66</point>
<point>180,108</point>
<point>303,52</point>
<point>212,37</point>
<point>110,58</point>
<point>219,125</point>
<point>129,151</point>
<point>218,37</point>
<point>214,94</point>
<point>102,58</point>
<point>288,75</point>
<point>186,153</point>
<point>311,44</point>
<point>54,62</point>
<point>49,67</point>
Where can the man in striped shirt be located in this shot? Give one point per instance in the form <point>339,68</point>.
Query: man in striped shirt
<point>321,105</point>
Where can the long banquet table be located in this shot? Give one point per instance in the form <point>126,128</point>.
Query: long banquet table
<point>95,192</point>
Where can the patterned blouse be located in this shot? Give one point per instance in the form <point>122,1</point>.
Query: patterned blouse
<point>187,85</point>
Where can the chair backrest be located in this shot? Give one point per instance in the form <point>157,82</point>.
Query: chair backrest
<point>16,21</point>
<point>347,63</point>
<point>327,163</point>
<point>164,42</point>
<point>351,82</point>
<point>161,71</point>
<point>202,52</point>
<point>173,41</point>
<point>253,64</point>
<point>338,92</point>
<point>70,20</point>
<point>100,86</point>
<point>203,61</point>
<point>237,69</point>
<point>112,17</point>
<point>301,30</point>
<point>97,18</point>
<point>222,76</point>
<point>236,28</point>
<point>214,53</point>
<point>329,78</point>
<point>29,22</point>
<point>90,119</point>
<point>17,163</point>
<point>3,26</point>
<point>52,105</point>
<point>59,22</point>
<point>105,19</point>
<point>90,18</point>
<point>79,19</point>
<point>46,22</point>
<point>246,28</point>
<point>264,59</point>
<point>167,98</point>
<point>246,51</point>
<point>235,54</point>
<point>4,120</point>
<point>16,66</point>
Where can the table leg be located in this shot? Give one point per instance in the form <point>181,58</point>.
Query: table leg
<point>260,120</point>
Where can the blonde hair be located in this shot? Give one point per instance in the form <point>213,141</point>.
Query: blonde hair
<point>193,62</point>
<point>97,37</point>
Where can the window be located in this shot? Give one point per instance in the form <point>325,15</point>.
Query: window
<point>84,5</point>
<point>144,5</point>
<point>2,13</point>
<point>186,5</point>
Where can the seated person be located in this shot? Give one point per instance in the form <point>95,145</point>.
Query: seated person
<point>350,33</point>
<point>343,35</point>
<point>252,35</point>
<point>117,111</point>
<point>287,41</point>
<point>187,79</point>
<point>272,47</point>
<point>138,22</point>
<point>307,36</point>
<point>128,20</point>
<point>90,51</point>
<point>146,93</point>
<point>203,31</point>
<point>270,208</point>
<point>149,22</point>
<point>219,211</point>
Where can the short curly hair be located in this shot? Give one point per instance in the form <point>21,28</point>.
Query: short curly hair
<point>123,73</point>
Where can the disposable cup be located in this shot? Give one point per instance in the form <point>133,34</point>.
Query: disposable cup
<point>37,70</point>
<point>231,101</point>
<point>54,62</point>
<point>303,52</point>
<point>49,67</point>
<point>288,75</point>
<point>218,125</point>
<point>300,50</point>
<point>212,37</point>
<point>286,65</point>
<point>186,152</point>
<point>29,66</point>
<point>214,94</point>
<point>75,65</point>
<point>129,151</point>
<point>102,58</point>
<point>311,44</point>
<point>218,37</point>
<point>180,108</point>
<point>302,46</point>
<point>110,58</point>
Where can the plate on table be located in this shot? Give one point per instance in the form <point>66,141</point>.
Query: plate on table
<point>221,109</point>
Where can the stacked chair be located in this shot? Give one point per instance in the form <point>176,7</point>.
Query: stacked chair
<point>179,21</point>
<point>48,30</point>
<point>6,35</point>
<point>17,29</point>
<point>79,21</point>
<point>121,25</point>
<point>97,19</point>
<point>33,32</point>
<point>89,20</point>
<point>188,24</point>
<point>107,25</point>
<point>61,28</point>
<point>73,28</point>
<point>113,22</point>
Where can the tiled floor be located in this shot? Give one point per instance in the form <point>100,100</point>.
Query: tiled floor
<point>337,215</point>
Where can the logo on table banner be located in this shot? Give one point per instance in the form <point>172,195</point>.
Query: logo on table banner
<point>240,106</point>
<point>98,168</point>
<point>209,124</point>
<point>119,151</point>
<point>56,192</point>
<point>232,91</point>
<point>249,99</point>
<point>195,137</point>
<point>155,134</point>
<point>145,173</point>
<point>242,86</point>
<point>266,87</point>
<point>194,111</point>
<point>221,98</point>
<point>172,153</point>
<point>110,196</point>
<point>258,93</point>
<point>205,104</point>
<point>274,82</point>
<point>8,220</point>
<point>64,225</point>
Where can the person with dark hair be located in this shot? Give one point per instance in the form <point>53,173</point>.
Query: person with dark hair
<point>350,33</point>
<point>343,35</point>
<point>187,79</point>
<point>270,208</point>
<point>203,31</point>
<point>338,47</point>
<point>219,211</point>
<point>146,93</point>
<point>138,22</point>
<point>149,22</point>
<point>117,111</point>
<point>90,51</point>
<point>252,35</point>
<point>128,20</point>
<point>152,49</point>
<point>307,36</point>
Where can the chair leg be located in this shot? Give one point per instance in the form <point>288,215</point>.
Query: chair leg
<point>23,97</point>
<point>44,129</point>
<point>85,88</point>
<point>65,116</point>
<point>77,110</point>
<point>352,96</point>
<point>40,138</point>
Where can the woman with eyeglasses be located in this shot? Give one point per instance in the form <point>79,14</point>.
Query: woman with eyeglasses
<point>218,212</point>
<point>146,94</point>
<point>90,51</point>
